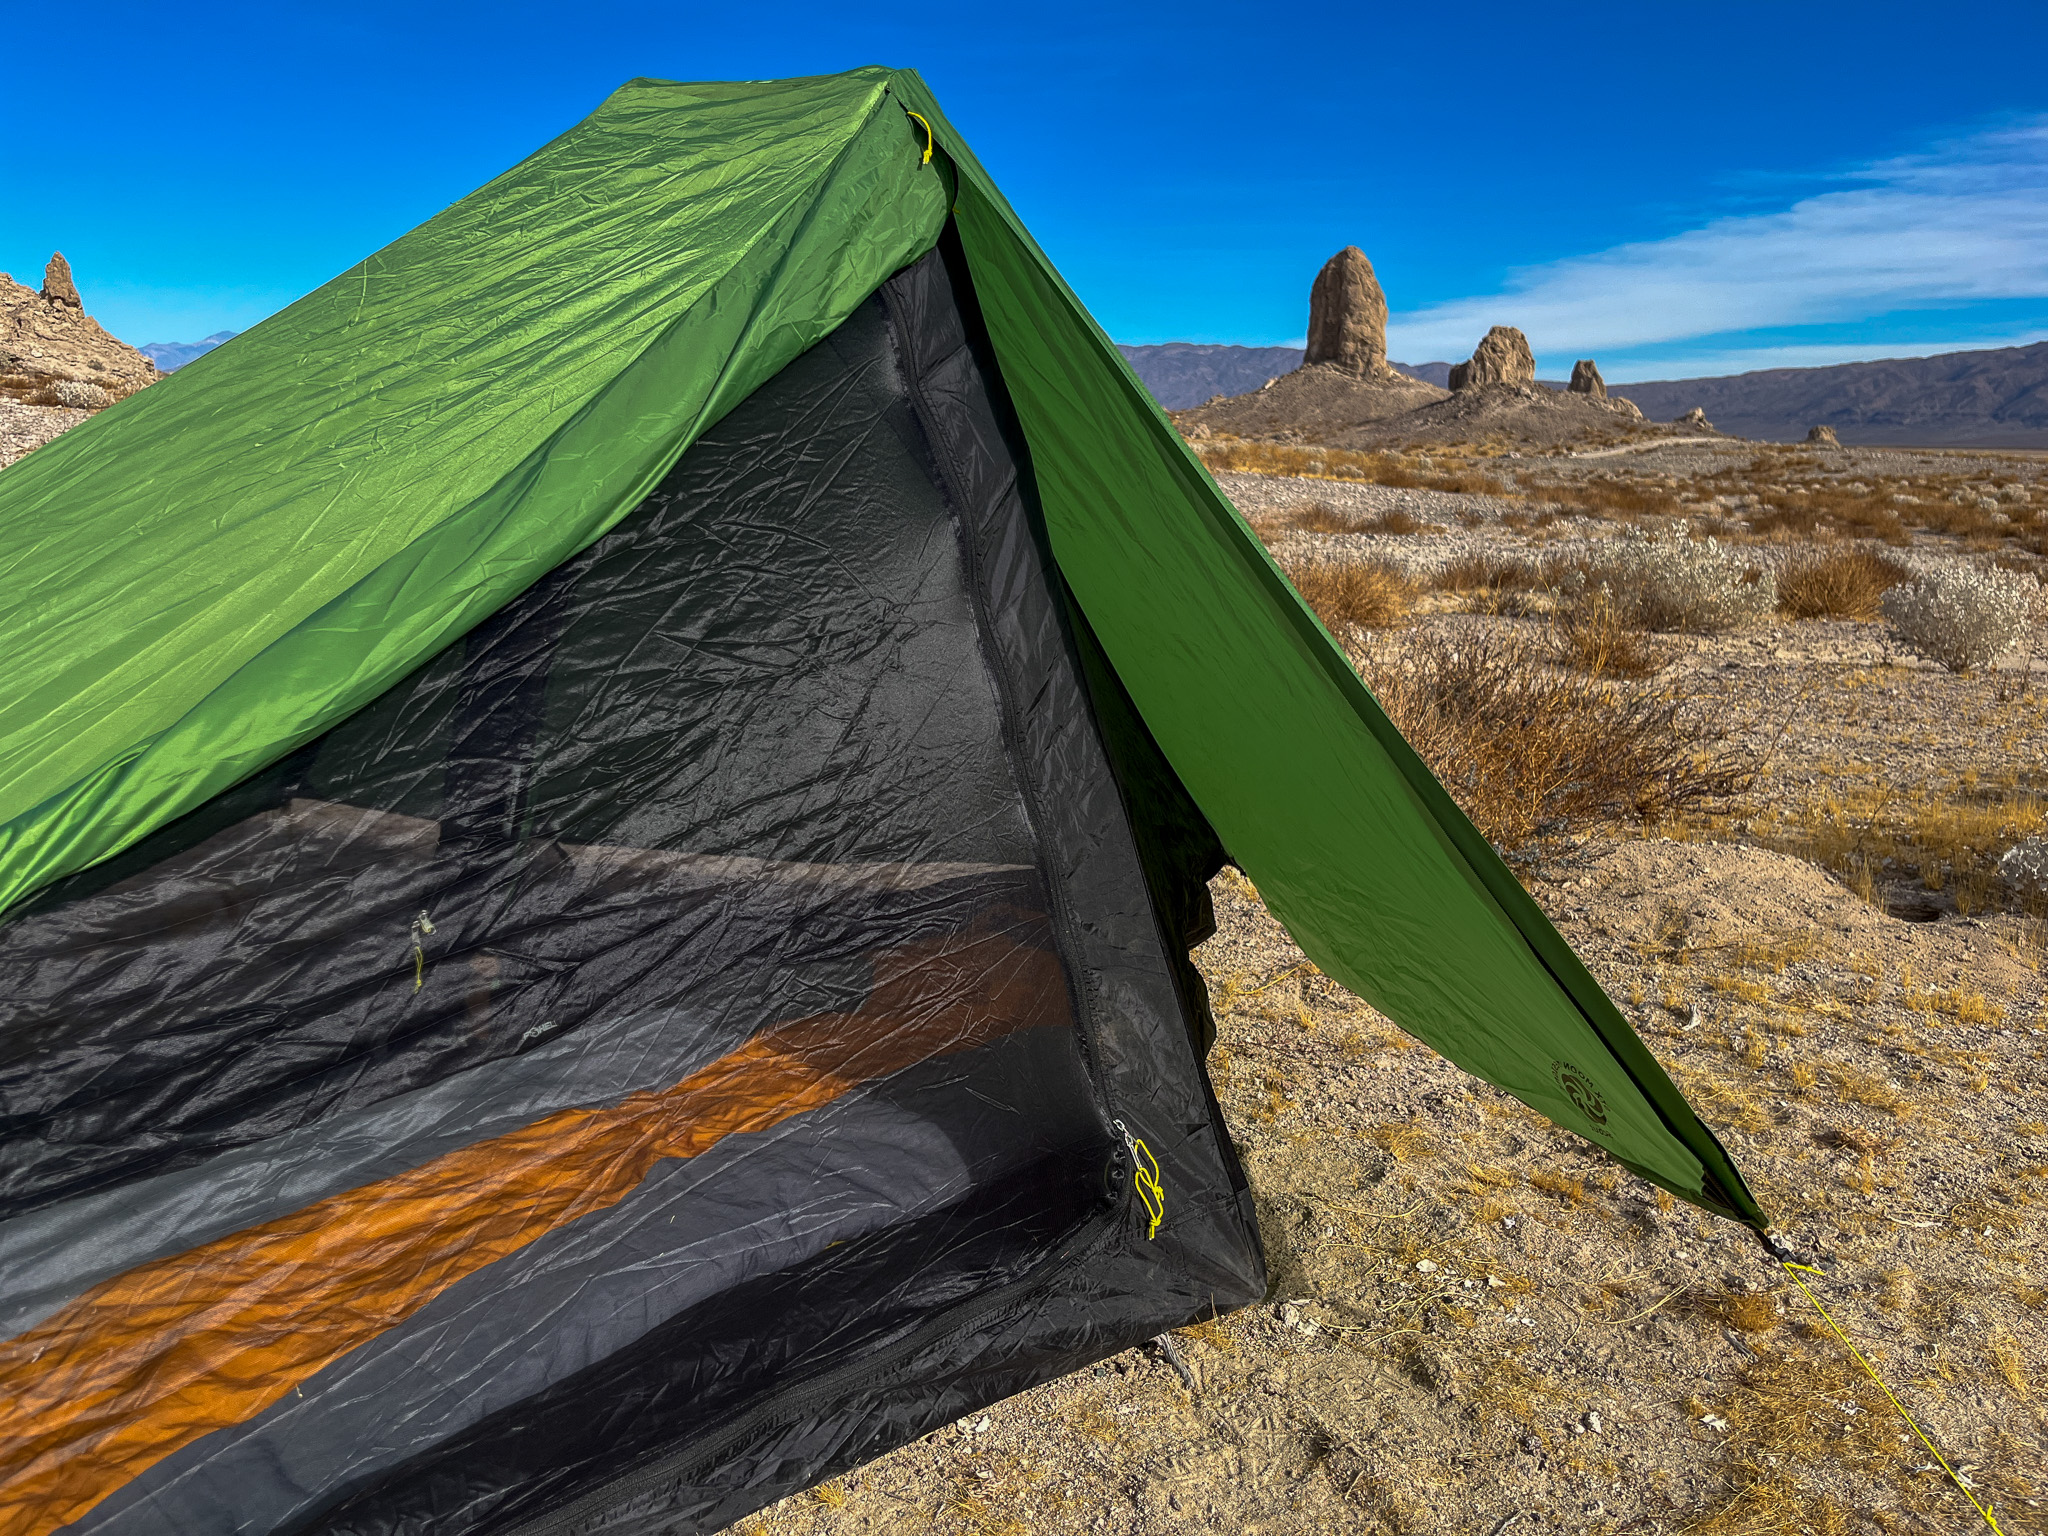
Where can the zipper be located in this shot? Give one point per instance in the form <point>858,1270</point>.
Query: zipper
<point>999,674</point>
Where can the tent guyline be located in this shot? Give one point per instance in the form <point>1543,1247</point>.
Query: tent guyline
<point>596,892</point>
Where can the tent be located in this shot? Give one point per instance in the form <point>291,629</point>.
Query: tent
<point>600,828</point>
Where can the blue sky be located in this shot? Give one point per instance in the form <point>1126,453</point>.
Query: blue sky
<point>1671,189</point>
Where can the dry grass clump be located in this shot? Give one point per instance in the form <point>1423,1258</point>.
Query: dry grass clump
<point>1790,495</point>
<point>71,394</point>
<point>1403,1140</point>
<point>1850,515</point>
<point>1838,584</point>
<point>1594,636</point>
<point>1487,573</point>
<point>1321,517</point>
<point>1403,471</point>
<point>1529,752</point>
<point>2011,1361</point>
<point>1395,520</point>
<point>1497,584</point>
<point>1873,1089</point>
<point>1555,1182</point>
<point>1747,1311</point>
<point>1949,840</point>
<point>1823,1412</point>
<point>1793,1416</point>
<point>1607,496</point>
<point>1780,496</point>
<point>1343,591</point>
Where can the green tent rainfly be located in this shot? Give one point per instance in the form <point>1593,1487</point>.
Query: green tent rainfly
<point>599,829</point>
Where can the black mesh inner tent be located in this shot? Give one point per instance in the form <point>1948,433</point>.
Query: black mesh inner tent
<point>677,1043</point>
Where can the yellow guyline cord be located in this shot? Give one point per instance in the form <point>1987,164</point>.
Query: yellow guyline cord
<point>421,926</point>
<point>1794,1270</point>
<point>927,160</point>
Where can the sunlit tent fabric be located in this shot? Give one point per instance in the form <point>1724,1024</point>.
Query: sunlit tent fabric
<point>600,825</point>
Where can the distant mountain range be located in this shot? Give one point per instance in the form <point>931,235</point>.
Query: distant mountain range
<point>1438,374</point>
<point>1996,398</point>
<point>170,356</point>
<point>1185,373</point>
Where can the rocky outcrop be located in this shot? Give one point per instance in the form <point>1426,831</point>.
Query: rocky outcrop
<point>58,288</point>
<point>1347,317</point>
<point>1695,418</point>
<point>1823,437</point>
<point>47,339</point>
<point>1586,380</point>
<point>1502,357</point>
<point>1344,381</point>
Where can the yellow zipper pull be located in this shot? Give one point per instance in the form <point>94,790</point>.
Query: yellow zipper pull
<point>1145,1178</point>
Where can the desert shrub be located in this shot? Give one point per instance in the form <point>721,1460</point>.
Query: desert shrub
<point>1372,594</point>
<point>1529,752</point>
<point>1486,573</point>
<point>77,394</point>
<point>1396,520</point>
<point>1838,584</point>
<point>2026,864</point>
<point>1669,580</point>
<point>1593,635</point>
<point>1782,510</point>
<point>1962,616</point>
<point>1606,497</point>
<point>1492,583</point>
<point>1321,517</point>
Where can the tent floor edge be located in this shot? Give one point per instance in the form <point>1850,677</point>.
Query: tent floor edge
<point>952,1366</point>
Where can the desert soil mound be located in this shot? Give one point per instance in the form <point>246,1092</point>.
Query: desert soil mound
<point>1525,415</point>
<point>1317,405</point>
<point>1312,403</point>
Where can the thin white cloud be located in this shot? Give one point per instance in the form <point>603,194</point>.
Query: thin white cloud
<point>1965,222</point>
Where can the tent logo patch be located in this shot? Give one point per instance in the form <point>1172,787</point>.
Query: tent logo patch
<point>1580,1090</point>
